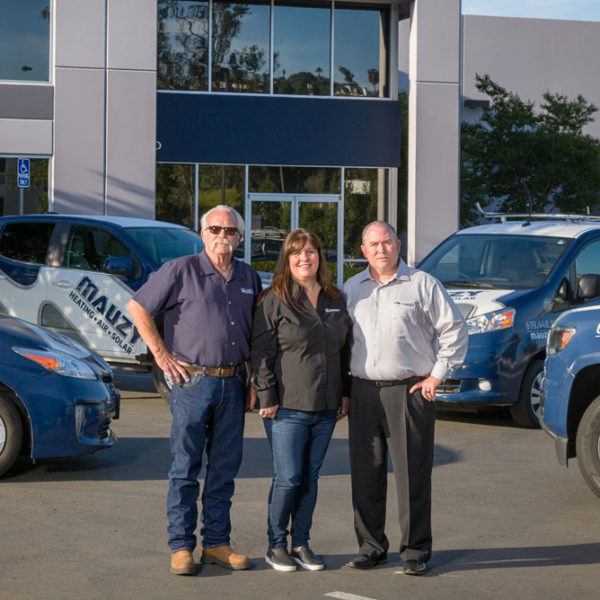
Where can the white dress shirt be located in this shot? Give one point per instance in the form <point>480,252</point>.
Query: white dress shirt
<point>408,326</point>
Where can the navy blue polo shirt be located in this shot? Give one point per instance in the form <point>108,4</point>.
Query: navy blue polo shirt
<point>207,320</point>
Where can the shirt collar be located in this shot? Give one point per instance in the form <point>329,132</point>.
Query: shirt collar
<point>209,269</point>
<point>402,274</point>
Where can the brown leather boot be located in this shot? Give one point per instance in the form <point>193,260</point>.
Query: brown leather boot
<point>225,557</point>
<point>182,563</point>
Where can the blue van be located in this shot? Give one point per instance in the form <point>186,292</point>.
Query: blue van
<point>511,280</point>
<point>571,389</point>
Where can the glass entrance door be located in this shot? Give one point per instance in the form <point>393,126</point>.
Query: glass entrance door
<point>273,216</point>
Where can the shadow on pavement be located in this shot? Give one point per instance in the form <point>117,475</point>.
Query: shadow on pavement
<point>149,458</point>
<point>444,561</point>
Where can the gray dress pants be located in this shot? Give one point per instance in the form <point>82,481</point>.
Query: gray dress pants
<point>387,419</point>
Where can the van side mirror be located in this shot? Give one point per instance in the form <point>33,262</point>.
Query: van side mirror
<point>588,287</point>
<point>118,265</point>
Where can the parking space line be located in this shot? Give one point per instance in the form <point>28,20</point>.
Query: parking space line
<point>346,596</point>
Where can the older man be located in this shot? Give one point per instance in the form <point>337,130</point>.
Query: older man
<point>207,302</point>
<point>407,335</point>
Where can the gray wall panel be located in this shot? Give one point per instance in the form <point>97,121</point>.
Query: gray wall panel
<point>435,213</point>
<point>531,56</point>
<point>435,49</point>
<point>79,141</point>
<point>132,34</point>
<point>26,102</point>
<point>25,137</point>
<point>80,33</point>
<point>131,148</point>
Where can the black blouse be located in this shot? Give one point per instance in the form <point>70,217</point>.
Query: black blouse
<point>301,358</point>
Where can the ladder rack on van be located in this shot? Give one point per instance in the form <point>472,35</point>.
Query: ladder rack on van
<point>541,216</point>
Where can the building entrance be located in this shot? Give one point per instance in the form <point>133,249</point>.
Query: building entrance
<point>271,216</point>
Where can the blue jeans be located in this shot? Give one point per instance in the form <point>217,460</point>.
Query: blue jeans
<point>208,414</point>
<point>299,441</point>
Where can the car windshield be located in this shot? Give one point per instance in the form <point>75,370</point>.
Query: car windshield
<point>494,261</point>
<point>166,243</point>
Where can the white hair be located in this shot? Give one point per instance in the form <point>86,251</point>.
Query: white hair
<point>224,207</point>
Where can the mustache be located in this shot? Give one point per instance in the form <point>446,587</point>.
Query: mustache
<point>222,242</point>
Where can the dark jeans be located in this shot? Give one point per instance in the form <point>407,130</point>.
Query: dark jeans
<point>299,441</point>
<point>208,414</point>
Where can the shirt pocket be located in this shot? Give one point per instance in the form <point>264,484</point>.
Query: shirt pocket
<point>405,319</point>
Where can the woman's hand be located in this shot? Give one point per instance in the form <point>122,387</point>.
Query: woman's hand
<point>269,413</point>
<point>343,409</point>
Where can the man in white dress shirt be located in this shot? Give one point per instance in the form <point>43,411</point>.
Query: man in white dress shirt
<point>407,335</point>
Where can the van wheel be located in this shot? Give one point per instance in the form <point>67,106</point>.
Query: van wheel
<point>11,434</point>
<point>526,412</point>
<point>588,446</point>
<point>163,387</point>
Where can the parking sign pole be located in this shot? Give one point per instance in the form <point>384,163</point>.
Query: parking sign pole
<point>21,201</point>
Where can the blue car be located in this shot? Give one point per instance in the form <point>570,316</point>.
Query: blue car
<point>511,280</point>
<point>571,389</point>
<point>56,398</point>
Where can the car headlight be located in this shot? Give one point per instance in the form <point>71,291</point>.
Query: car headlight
<point>558,338</point>
<point>60,363</point>
<point>492,321</point>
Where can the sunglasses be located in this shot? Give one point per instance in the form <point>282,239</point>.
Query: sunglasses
<point>216,230</point>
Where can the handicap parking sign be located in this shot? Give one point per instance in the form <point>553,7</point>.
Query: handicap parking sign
<point>23,172</point>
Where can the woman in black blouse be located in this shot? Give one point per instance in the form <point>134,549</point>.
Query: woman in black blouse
<point>299,355</point>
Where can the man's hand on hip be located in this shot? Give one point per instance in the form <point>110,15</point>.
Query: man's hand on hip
<point>171,367</point>
<point>427,387</point>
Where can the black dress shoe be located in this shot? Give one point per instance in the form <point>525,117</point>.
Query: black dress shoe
<point>414,567</point>
<point>364,562</point>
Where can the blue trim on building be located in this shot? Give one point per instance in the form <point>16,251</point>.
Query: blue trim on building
<point>272,130</point>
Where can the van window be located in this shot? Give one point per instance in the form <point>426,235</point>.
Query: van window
<point>88,247</point>
<point>495,261</point>
<point>26,242</point>
<point>166,243</point>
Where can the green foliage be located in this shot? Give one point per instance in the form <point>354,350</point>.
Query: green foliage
<point>529,159</point>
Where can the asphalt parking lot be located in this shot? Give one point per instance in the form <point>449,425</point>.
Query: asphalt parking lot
<point>508,521</point>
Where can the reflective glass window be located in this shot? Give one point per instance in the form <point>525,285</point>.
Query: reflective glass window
<point>25,40</point>
<point>26,242</point>
<point>182,45</point>
<point>360,51</point>
<point>301,57</point>
<point>240,47</point>
<point>294,180</point>
<point>175,188</point>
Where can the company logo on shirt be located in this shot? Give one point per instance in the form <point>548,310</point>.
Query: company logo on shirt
<point>404,304</point>
<point>247,290</point>
<point>330,310</point>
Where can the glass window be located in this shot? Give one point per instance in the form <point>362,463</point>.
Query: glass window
<point>25,40</point>
<point>294,180</point>
<point>88,248</point>
<point>240,47</point>
<point>360,50</point>
<point>175,188</point>
<point>27,242</point>
<point>221,184</point>
<point>588,261</point>
<point>301,58</point>
<point>364,194</point>
<point>166,243</point>
<point>182,45</point>
<point>495,261</point>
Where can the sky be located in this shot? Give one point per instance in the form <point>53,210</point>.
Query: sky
<point>581,10</point>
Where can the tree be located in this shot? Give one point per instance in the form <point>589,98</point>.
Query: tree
<point>525,159</point>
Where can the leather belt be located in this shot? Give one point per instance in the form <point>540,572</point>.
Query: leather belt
<point>203,371</point>
<point>391,382</point>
